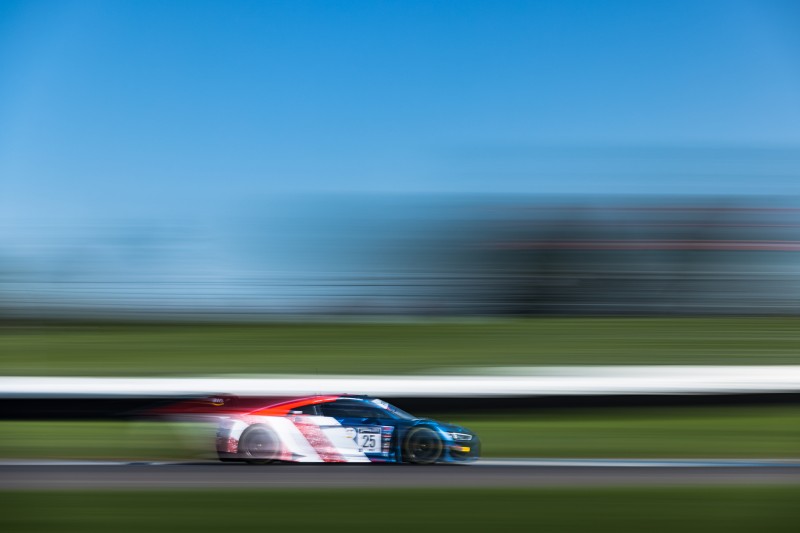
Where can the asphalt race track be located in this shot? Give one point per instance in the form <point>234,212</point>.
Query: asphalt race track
<point>487,473</point>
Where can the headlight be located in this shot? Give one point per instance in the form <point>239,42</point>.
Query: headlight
<point>459,436</point>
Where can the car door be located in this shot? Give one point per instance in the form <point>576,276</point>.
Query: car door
<point>370,427</point>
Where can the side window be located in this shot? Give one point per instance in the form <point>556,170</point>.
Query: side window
<point>375,412</point>
<point>351,409</point>
<point>336,410</point>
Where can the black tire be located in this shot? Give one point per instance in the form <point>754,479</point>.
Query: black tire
<point>423,446</point>
<point>259,445</point>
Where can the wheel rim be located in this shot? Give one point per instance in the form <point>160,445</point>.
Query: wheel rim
<point>425,447</point>
<point>259,444</point>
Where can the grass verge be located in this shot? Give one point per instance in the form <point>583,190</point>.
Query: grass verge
<point>393,348</point>
<point>730,509</point>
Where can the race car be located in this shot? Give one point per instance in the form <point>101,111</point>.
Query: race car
<point>338,429</point>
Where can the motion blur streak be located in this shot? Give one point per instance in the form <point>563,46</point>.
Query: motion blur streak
<point>368,255</point>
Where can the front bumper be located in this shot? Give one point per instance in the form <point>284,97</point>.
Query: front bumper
<point>463,451</point>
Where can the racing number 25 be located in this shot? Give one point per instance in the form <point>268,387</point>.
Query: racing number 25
<point>368,441</point>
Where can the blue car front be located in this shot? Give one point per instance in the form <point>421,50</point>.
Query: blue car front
<point>458,444</point>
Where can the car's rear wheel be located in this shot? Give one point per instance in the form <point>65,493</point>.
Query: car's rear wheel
<point>423,446</point>
<point>259,445</point>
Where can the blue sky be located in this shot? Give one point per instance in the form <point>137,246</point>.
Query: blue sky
<point>150,108</point>
<point>151,141</point>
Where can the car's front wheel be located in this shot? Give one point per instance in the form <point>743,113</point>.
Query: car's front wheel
<point>259,445</point>
<point>423,446</point>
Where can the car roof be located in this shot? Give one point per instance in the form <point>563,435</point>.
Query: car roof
<point>283,408</point>
<point>267,406</point>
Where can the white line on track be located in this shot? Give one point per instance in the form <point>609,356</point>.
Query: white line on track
<point>643,463</point>
<point>533,462</point>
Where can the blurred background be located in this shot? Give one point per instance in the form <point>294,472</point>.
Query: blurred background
<point>251,161</point>
<point>263,189</point>
<point>371,254</point>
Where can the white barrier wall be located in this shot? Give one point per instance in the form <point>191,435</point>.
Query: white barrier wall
<point>499,382</point>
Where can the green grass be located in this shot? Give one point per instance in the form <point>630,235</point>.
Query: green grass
<point>654,510</point>
<point>766,432</point>
<point>393,348</point>
<point>756,432</point>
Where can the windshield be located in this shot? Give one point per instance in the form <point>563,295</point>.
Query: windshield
<point>399,413</point>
